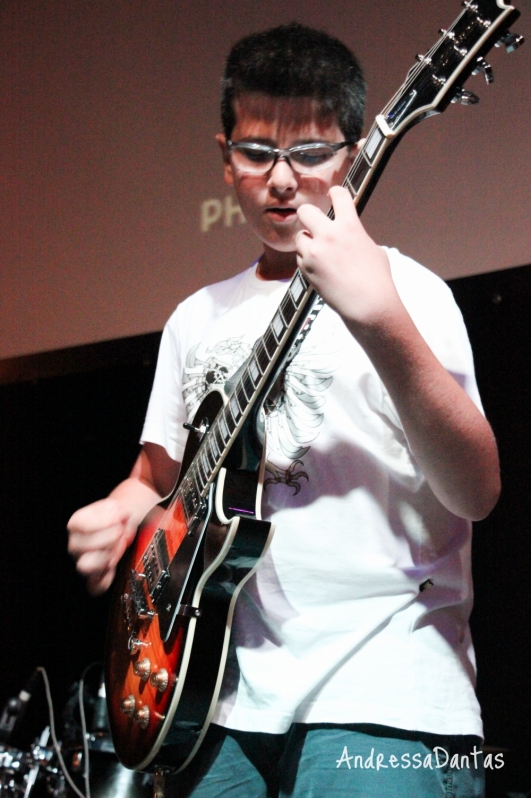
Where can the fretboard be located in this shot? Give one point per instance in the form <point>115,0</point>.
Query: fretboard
<point>266,360</point>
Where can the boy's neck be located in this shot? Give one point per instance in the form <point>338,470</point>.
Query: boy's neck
<point>275,265</point>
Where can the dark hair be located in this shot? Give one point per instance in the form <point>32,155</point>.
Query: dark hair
<point>296,61</point>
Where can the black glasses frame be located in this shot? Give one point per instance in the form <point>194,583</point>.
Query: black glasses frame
<point>277,152</point>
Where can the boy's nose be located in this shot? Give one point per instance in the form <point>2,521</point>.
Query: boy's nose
<point>282,178</point>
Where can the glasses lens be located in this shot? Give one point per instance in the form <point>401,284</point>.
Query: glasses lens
<point>311,157</point>
<point>255,158</point>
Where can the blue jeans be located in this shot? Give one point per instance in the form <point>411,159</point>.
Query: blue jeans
<point>316,760</point>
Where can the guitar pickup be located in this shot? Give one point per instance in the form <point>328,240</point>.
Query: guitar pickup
<point>159,587</point>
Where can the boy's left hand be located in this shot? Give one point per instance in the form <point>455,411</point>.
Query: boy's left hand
<point>343,263</point>
<point>451,441</point>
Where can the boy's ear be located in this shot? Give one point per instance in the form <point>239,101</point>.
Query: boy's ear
<point>227,169</point>
<point>357,147</point>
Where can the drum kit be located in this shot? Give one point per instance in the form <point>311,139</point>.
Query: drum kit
<point>82,764</point>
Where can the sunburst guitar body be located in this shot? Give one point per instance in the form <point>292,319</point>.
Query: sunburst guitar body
<point>172,609</point>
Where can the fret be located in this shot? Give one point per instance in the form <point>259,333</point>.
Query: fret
<point>235,413</point>
<point>200,485</point>
<point>203,467</point>
<point>288,309</point>
<point>348,184</point>
<point>270,343</point>
<point>254,371</point>
<point>262,357</point>
<point>199,482</point>
<point>231,423</point>
<point>203,456</point>
<point>357,174</point>
<point>217,447</point>
<point>247,385</point>
<point>373,142</point>
<point>223,428</point>
<point>277,325</point>
<point>241,397</point>
<point>210,454</point>
<point>220,445</point>
<point>298,287</point>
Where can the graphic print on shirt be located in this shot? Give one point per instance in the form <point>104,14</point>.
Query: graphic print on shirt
<point>220,363</point>
<point>293,410</point>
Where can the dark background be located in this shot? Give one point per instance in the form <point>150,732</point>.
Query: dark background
<point>70,423</point>
<point>109,110</point>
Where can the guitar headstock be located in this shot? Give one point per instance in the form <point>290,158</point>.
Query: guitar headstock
<point>438,77</point>
<point>432,84</point>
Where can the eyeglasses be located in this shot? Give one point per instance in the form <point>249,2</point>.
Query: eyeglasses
<point>257,159</point>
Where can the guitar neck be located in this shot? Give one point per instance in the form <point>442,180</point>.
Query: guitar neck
<point>430,86</point>
<point>266,361</point>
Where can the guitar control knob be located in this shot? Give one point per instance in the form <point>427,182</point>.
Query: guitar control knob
<point>142,716</point>
<point>142,668</point>
<point>128,705</point>
<point>159,680</point>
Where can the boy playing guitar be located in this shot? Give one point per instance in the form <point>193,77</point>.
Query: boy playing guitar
<point>351,656</point>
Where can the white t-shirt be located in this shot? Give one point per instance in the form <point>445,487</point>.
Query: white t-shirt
<point>334,626</point>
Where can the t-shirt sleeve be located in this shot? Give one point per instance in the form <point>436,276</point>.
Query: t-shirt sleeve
<point>166,411</point>
<point>431,305</point>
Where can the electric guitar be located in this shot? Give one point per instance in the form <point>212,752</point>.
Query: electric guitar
<point>177,585</point>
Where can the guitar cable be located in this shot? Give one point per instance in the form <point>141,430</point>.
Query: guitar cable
<point>53,735</point>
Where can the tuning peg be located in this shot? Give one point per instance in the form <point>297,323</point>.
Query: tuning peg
<point>483,66</point>
<point>465,97</point>
<point>511,41</point>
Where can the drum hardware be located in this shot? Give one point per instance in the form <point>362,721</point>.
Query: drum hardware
<point>15,709</point>
<point>19,770</point>
<point>39,755</point>
<point>83,764</point>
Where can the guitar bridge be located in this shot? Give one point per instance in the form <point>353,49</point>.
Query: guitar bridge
<point>156,563</point>
<point>139,597</point>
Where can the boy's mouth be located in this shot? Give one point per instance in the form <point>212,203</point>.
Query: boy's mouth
<point>281,214</point>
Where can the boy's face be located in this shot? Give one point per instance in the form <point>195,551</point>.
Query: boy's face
<point>270,201</point>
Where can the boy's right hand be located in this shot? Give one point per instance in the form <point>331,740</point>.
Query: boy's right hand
<point>100,532</point>
<point>98,536</point>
